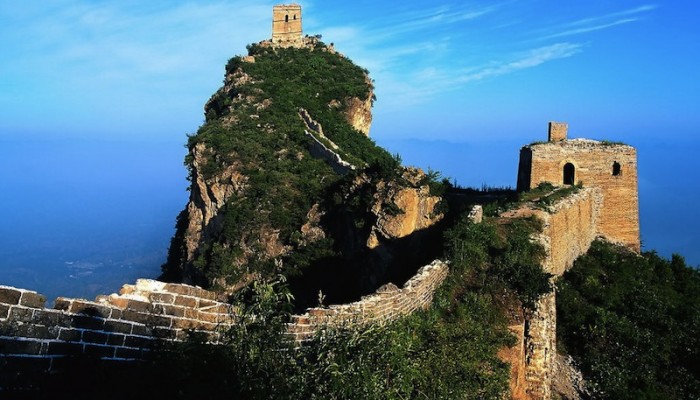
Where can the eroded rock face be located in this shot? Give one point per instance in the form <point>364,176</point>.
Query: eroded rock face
<point>415,208</point>
<point>207,196</point>
<point>358,113</point>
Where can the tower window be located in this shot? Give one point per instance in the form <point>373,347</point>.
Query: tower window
<point>569,174</point>
<point>286,18</point>
<point>295,17</point>
<point>617,169</point>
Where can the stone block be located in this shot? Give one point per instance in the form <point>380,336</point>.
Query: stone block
<point>175,311</point>
<point>95,337</point>
<point>17,346</point>
<point>90,308</point>
<point>36,331</point>
<point>139,342</point>
<point>65,349</point>
<point>51,317</point>
<point>9,295</point>
<point>142,330</point>
<point>63,304</point>
<point>21,314</point>
<point>164,298</point>
<point>186,301</point>
<point>117,326</point>
<point>128,354</point>
<point>4,311</point>
<point>87,322</point>
<point>33,300</point>
<point>116,339</point>
<point>99,351</point>
<point>69,335</point>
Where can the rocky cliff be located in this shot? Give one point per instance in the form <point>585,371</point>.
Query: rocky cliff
<point>262,199</point>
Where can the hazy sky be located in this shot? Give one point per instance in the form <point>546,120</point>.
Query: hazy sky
<point>451,70</point>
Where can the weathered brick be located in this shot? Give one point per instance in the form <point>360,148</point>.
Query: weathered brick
<point>50,317</point>
<point>138,341</point>
<point>9,295</point>
<point>180,289</point>
<point>95,337</point>
<point>129,354</point>
<point>90,309</point>
<point>99,351</point>
<point>117,326</point>
<point>164,333</point>
<point>87,322</point>
<point>175,311</point>
<point>164,298</point>
<point>63,304</point>
<point>132,304</point>
<point>134,316</point>
<point>20,314</point>
<point>33,300</point>
<point>142,330</point>
<point>36,331</point>
<point>18,346</point>
<point>4,311</point>
<point>70,335</point>
<point>116,339</point>
<point>186,301</point>
<point>65,349</point>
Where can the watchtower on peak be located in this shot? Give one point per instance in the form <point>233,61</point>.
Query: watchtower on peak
<point>610,166</point>
<point>286,25</point>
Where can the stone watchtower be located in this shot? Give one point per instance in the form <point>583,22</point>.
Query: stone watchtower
<point>610,166</point>
<point>286,25</point>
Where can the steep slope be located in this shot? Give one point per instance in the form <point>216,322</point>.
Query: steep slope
<point>283,148</point>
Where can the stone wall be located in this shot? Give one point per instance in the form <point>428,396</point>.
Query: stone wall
<point>323,148</point>
<point>386,304</point>
<point>118,327</point>
<point>569,228</point>
<point>611,167</point>
<point>125,326</point>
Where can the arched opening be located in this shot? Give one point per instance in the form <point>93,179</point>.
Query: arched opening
<point>295,17</point>
<point>286,18</point>
<point>617,169</point>
<point>569,174</point>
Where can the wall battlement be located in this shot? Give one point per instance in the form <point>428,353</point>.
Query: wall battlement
<point>286,25</point>
<point>125,327</point>
<point>610,166</point>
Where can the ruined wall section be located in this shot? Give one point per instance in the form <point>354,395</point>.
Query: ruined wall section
<point>118,327</point>
<point>125,327</point>
<point>594,165</point>
<point>386,304</point>
<point>569,228</point>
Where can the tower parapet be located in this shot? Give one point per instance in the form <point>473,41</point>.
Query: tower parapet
<point>286,25</point>
<point>609,166</point>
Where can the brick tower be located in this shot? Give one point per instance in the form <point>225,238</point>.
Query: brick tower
<point>286,25</point>
<point>610,166</point>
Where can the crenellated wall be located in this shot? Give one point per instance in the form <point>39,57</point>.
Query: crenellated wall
<point>126,326</point>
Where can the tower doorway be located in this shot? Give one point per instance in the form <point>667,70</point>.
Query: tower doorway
<point>569,174</point>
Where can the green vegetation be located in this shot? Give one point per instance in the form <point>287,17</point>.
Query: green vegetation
<point>632,322</point>
<point>253,127</point>
<point>545,195</point>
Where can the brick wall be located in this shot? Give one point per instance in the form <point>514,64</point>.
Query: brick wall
<point>593,163</point>
<point>569,228</point>
<point>126,326</point>
<point>387,303</point>
<point>286,24</point>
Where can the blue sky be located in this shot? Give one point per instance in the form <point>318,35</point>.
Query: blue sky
<point>448,70</point>
<point>96,98</point>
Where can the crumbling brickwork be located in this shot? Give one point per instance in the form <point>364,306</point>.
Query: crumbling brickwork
<point>569,228</point>
<point>124,327</point>
<point>286,25</point>
<point>609,166</point>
